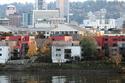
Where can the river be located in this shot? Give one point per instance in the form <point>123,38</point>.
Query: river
<point>60,77</point>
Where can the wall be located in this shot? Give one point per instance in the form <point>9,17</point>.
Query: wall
<point>4,54</point>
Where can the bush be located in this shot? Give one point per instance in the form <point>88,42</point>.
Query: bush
<point>45,59</point>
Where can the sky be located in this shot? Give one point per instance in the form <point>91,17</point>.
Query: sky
<point>23,1</point>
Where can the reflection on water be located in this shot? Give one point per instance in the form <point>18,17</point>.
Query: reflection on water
<point>20,77</point>
<point>58,79</point>
<point>4,79</point>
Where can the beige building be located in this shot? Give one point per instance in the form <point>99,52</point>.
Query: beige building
<point>15,20</point>
<point>63,6</point>
<point>43,15</point>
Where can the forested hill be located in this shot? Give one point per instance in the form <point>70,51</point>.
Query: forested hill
<point>114,9</point>
<point>80,9</point>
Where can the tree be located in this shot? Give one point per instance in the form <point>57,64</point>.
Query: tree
<point>45,47</point>
<point>89,47</point>
<point>15,55</point>
<point>7,34</point>
<point>116,59</point>
<point>32,51</point>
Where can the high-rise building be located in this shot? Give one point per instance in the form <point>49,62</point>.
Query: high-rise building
<point>27,19</point>
<point>15,20</point>
<point>63,6</point>
<point>10,9</point>
<point>40,5</point>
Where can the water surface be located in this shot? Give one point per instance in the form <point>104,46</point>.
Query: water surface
<point>50,77</point>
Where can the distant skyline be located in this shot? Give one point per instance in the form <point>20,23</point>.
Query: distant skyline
<point>32,1</point>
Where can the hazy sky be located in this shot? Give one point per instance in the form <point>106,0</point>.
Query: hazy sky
<point>23,1</point>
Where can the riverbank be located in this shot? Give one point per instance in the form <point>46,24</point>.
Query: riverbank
<point>82,66</point>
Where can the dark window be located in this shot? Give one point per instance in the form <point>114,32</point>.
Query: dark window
<point>57,33</point>
<point>58,49</point>
<point>114,39</point>
<point>71,32</point>
<point>123,39</point>
<point>0,49</point>
<point>67,50</point>
<point>106,39</point>
<point>58,55</point>
<point>82,49</point>
<point>123,45</point>
<point>0,54</point>
<point>75,32</point>
<point>67,53</point>
<point>63,33</point>
<point>114,45</point>
<point>68,56</point>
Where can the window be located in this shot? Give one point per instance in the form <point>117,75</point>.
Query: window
<point>67,50</point>
<point>106,39</point>
<point>75,32</point>
<point>71,32</point>
<point>58,49</point>
<point>0,49</point>
<point>115,39</point>
<point>58,55</point>
<point>115,44</point>
<point>123,45</point>
<point>123,39</point>
<point>68,56</point>
<point>0,54</point>
<point>106,22</point>
<point>63,33</point>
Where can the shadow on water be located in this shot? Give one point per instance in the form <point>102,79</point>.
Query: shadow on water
<point>60,77</point>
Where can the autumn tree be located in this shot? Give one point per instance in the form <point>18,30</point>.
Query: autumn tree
<point>116,59</point>
<point>32,48</point>
<point>45,48</point>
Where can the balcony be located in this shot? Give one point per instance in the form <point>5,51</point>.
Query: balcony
<point>65,43</point>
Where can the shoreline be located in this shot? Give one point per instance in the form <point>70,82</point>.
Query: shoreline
<point>56,68</point>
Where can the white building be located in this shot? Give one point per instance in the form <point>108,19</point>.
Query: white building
<point>65,50</point>
<point>4,54</point>
<point>10,9</point>
<point>100,24</point>
<point>61,54</point>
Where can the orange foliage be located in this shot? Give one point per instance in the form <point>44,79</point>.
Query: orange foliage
<point>116,59</point>
<point>32,49</point>
<point>45,49</point>
<point>32,81</point>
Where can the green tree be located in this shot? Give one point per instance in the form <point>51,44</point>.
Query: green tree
<point>89,47</point>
